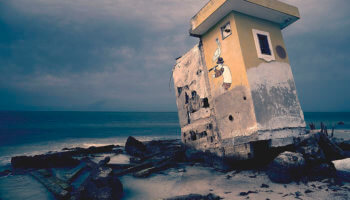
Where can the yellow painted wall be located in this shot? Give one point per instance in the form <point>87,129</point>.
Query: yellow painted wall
<point>230,52</point>
<point>245,24</point>
<point>229,102</point>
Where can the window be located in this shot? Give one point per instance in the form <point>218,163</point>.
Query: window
<point>263,45</point>
<point>226,30</point>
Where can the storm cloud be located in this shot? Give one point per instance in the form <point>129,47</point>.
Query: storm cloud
<point>118,54</point>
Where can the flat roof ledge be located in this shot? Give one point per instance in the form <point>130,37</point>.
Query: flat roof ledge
<point>271,10</point>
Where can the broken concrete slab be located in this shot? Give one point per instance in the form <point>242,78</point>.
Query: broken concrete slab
<point>73,173</point>
<point>59,188</point>
<point>57,159</point>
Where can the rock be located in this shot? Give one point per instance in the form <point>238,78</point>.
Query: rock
<point>210,196</point>
<point>134,147</point>
<point>247,193</point>
<point>308,191</point>
<point>102,184</point>
<point>298,194</point>
<point>343,169</point>
<point>264,186</point>
<point>286,167</point>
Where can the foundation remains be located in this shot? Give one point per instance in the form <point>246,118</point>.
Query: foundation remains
<point>235,90</point>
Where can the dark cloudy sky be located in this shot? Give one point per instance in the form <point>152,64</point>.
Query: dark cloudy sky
<point>117,55</point>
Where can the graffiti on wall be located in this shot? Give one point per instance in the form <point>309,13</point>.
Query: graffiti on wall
<point>220,69</point>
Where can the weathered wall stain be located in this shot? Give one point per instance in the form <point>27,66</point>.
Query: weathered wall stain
<point>274,94</point>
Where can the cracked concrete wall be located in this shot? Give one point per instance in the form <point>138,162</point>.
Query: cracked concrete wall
<point>193,101</point>
<point>190,86</point>
<point>275,97</point>
<point>235,113</point>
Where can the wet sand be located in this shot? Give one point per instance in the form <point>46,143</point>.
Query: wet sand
<point>248,184</point>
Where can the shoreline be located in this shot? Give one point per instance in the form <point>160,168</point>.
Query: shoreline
<point>50,146</point>
<point>159,173</point>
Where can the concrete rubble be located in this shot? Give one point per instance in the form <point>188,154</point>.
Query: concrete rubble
<point>308,159</point>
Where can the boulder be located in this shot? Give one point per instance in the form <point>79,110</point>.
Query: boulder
<point>343,169</point>
<point>286,167</point>
<point>101,185</point>
<point>134,147</point>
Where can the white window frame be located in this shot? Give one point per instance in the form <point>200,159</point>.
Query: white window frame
<point>267,58</point>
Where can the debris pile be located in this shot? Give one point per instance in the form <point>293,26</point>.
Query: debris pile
<point>309,158</point>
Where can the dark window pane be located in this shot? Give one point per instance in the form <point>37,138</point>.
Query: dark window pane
<point>264,44</point>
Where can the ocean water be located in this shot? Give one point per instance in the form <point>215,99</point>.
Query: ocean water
<point>39,132</point>
<point>29,133</point>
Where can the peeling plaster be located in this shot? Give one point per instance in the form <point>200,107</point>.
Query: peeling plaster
<point>274,95</point>
<point>188,72</point>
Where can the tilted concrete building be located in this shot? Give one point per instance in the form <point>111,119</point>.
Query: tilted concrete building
<point>235,90</point>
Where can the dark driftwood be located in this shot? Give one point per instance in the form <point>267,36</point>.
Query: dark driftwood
<point>312,126</point>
